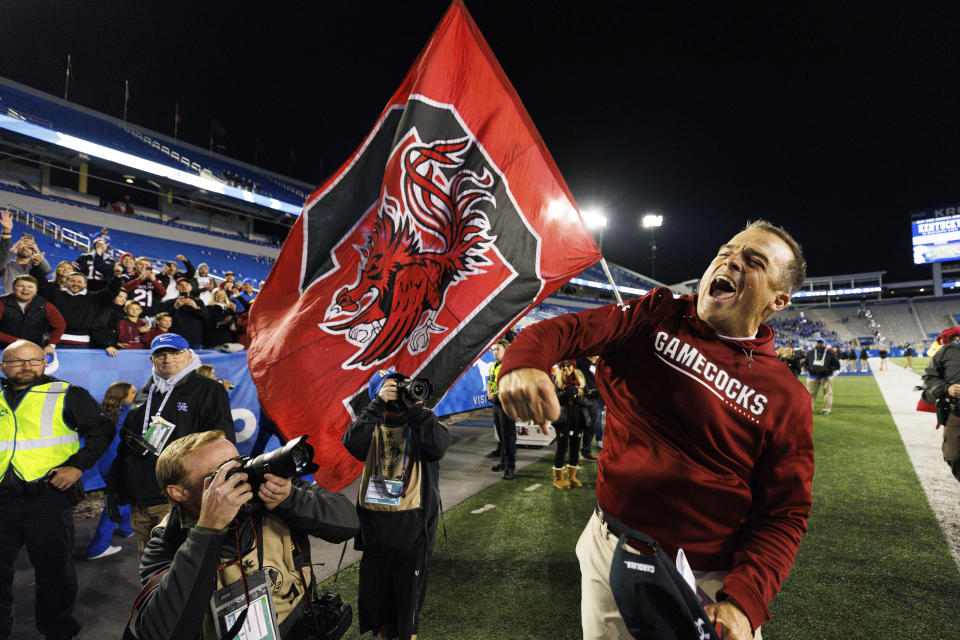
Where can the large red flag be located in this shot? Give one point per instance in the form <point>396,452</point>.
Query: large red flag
<point>443,228</point>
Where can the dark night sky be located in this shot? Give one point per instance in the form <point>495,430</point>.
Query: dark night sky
<point>834,122</point>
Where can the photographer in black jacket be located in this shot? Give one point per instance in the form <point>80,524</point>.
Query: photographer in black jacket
<point>941,382</point>
<point>207,551</point>
<point>401,443</point>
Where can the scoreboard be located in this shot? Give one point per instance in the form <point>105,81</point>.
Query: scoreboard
<point>936,239</point>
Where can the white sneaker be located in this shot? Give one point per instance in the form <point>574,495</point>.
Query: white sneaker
<point>109,551</point>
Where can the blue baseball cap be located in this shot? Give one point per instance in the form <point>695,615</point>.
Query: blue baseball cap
<point>376,382</point>
<point>168,341</point>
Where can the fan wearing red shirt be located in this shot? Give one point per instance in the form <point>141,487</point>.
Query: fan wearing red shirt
<point>708,446</point>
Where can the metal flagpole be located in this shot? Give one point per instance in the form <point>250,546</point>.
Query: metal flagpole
<point>606,270</point>
<point>66,86</point>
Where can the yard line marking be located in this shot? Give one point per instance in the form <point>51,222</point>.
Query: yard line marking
<point>533,487</point>
<point>485,507</point>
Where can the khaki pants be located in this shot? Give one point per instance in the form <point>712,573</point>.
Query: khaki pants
<point>598,610</point>
<point>144,519</point>
<point>814,385</point>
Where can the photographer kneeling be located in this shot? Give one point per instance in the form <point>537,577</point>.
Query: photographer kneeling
<point>216,551</point>
<point>401,442</point>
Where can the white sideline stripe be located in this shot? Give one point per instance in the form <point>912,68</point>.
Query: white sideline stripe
<point>923,444</point>
<point>533,487</point>
<point>485,507</point>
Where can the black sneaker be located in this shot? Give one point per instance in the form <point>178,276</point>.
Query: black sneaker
<point>508,474</point>
<point>589,456</point>
<point>497,467</point>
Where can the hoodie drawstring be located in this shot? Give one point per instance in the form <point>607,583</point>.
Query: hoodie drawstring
<point>749,355</point>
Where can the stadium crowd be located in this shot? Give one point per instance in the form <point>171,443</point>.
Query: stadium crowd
<point>99,301</point>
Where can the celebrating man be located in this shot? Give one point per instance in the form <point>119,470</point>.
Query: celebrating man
<point>708,444</point>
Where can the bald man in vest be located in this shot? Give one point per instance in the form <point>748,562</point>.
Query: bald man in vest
<point>41,422</point>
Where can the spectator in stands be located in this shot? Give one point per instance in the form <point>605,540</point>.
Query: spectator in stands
<point>64,269</point>
<point>104,235</point>
<point>169,276</point>
<point>247,294</point>
<point>146,289</point>
<point>189,314</point>
<point>163,323</point>
<point>79,307</point>
<point>25,315</point>
<point>116,402</point>
<point>103,331</point>
<point>132,327</point>
<point>129,263</point>
<point>821,365</point>
<point>26,258</point>
<point>203,279</point>
<point>206,293</point>
<point>228,278</point>
<point>221,314</point>
<point>96,265</point>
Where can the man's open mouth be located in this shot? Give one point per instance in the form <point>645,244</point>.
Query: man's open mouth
<point>723,288</point>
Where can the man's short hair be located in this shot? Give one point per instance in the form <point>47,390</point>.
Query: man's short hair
<point>163,314</point>
<point>171,468</point>
<point>795,272</point>
<point>76,273</point>
<point>503,342</point>
<point>27,277</point>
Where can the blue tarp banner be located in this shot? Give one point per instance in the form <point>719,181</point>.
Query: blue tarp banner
<point>94,370</point>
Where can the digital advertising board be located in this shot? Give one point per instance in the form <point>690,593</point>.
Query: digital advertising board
<point>936,239</point>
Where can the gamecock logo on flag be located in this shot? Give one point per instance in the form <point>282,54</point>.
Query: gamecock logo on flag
<point>442,230</point>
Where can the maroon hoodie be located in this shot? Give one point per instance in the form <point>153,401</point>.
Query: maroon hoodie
<point>708,441</point>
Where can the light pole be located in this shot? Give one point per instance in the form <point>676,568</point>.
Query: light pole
<point>595,219</point>
<point>651,221</point>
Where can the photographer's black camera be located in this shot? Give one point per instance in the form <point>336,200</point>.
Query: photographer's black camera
<point>292,459</point>
<point>417,389</point>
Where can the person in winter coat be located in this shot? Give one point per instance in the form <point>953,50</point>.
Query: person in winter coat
<point>570,385</point>
<point>175,402</point>
<point>401,443</point>
<point>116,402</point>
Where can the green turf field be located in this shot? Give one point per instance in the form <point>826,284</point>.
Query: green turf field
<point>873,564</point>
<point>919,363</point>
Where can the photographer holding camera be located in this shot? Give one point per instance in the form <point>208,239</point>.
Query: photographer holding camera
<point>941,381</point>
<point>401,443</point>
<point>232,545</point>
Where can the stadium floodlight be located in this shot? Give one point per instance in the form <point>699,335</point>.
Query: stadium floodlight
<point>594,218</point>
<point>652,220</point>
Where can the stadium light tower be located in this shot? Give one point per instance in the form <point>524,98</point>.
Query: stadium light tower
<point>651,221</point>
<point>595,219</point>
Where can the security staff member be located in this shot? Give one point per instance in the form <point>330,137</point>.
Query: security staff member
<point>41,460</point>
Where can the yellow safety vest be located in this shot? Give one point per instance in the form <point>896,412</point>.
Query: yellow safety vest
<point>493,380</point>
<point>34,438</point>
